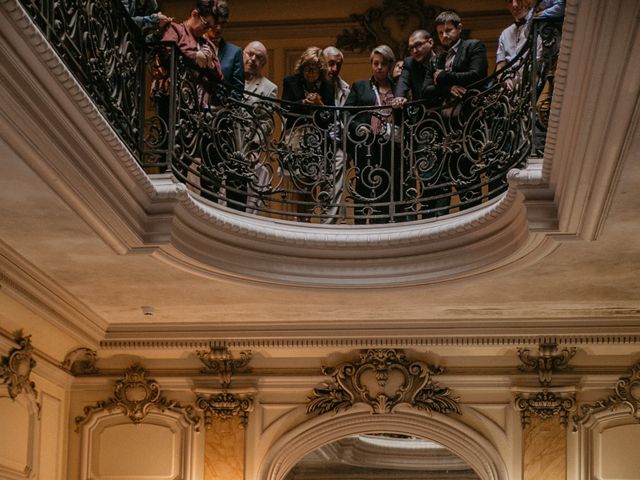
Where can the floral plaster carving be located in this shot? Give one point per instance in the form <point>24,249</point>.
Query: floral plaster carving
<point>382,379</point>
<point>626,396</point>
<point>546,405</point>
<point>15,369</point>
<point>135,396</point>
<point>219,360</point>
<point>81,361</point>
<point>225,405</point>
<point>547,362</point>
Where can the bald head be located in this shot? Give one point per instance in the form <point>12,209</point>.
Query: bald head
<point>254,59</point>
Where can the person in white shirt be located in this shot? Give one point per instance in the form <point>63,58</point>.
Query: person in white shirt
<point>514,37</point>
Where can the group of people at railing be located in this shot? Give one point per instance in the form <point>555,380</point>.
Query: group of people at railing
<point>435,76</point>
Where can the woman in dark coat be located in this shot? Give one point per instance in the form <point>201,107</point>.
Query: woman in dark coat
<point>371,140</point>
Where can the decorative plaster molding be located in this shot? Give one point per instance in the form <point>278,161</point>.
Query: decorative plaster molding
<point>374,26</point>
<point>135,396</point>
<point>219,360</point>
<point>459,438</point>
<point>30,286</point>
<point>626,396</point>
<point>547,362</point>
<point>15,369</point>
<point>225,405</point>
<point>353,383</point>
<point>254,337</point>
<point>546,405</point>
<point>81,361</point>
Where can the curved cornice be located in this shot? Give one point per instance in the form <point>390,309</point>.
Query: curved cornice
<point>90,168</point>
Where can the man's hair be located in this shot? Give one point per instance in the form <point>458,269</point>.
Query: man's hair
<point>311,57</point>
<point>222,9</point>
<point>422,33</point>
<point>205,7</point>
<point>332,51</point>
<point>386,52</point>
<point>448,17</point>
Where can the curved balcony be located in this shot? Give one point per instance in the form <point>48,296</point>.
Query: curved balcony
<point>441,160</point>
<point>282,160</point>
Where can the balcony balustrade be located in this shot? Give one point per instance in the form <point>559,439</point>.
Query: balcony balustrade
<point>314,164</point>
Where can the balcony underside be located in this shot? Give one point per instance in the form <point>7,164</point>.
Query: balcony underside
<point>112,230</point>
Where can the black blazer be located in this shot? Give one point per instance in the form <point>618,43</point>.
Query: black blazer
<point>414,74</point>
<point>293,91</point>
<point>362,95</point>
<point>469,66</point>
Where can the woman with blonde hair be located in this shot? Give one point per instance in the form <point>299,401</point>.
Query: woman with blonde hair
<point>308,85</point>
<point>371,139</point>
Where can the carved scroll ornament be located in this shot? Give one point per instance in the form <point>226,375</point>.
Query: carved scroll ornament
<point>219,360</point>
<point>135,396</point>
<point>626,396</point>
<point>15,369</point>
<point>224,406</point>
<point>545,405</point>
<point>547,362</point>
<point>81,361</point>
<point>391,25</point>
<point>382,379</point>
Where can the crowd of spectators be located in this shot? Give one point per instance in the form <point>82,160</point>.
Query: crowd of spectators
<point>434,72</point>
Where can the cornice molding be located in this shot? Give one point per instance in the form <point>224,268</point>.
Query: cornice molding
<point>320,340</point>
<point>40,293</point>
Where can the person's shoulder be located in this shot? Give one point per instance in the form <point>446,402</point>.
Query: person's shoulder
<point>360,84</point>
<point>473,43</point>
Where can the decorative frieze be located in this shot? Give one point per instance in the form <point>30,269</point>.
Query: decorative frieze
<point>546,405</point>
<point>135,396</point>
<point>15,369</point>
<point>547,362</point>
<point>382,379</point>
<point>218,360</point>
<point>626,396</point>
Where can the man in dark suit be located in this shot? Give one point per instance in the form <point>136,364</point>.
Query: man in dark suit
<point>416,70</point>
<point>229,54</point>
<point>463,63</point>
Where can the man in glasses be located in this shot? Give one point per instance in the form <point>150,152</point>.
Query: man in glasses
<point>417,69</point>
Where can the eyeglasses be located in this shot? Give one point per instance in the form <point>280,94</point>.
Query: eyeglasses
<point>205,23</point>
<point>417,45</point>
<point>310,69</point>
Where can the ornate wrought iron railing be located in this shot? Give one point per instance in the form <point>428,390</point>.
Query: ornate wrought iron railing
<point>277,159</point>
<point>104,49</point>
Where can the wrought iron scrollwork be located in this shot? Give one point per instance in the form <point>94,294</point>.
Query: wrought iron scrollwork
<point>383,380</point>
<point>104,49</point>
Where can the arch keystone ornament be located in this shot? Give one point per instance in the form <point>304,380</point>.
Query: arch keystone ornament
<point>135,396</point>
<point>382,379</point>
